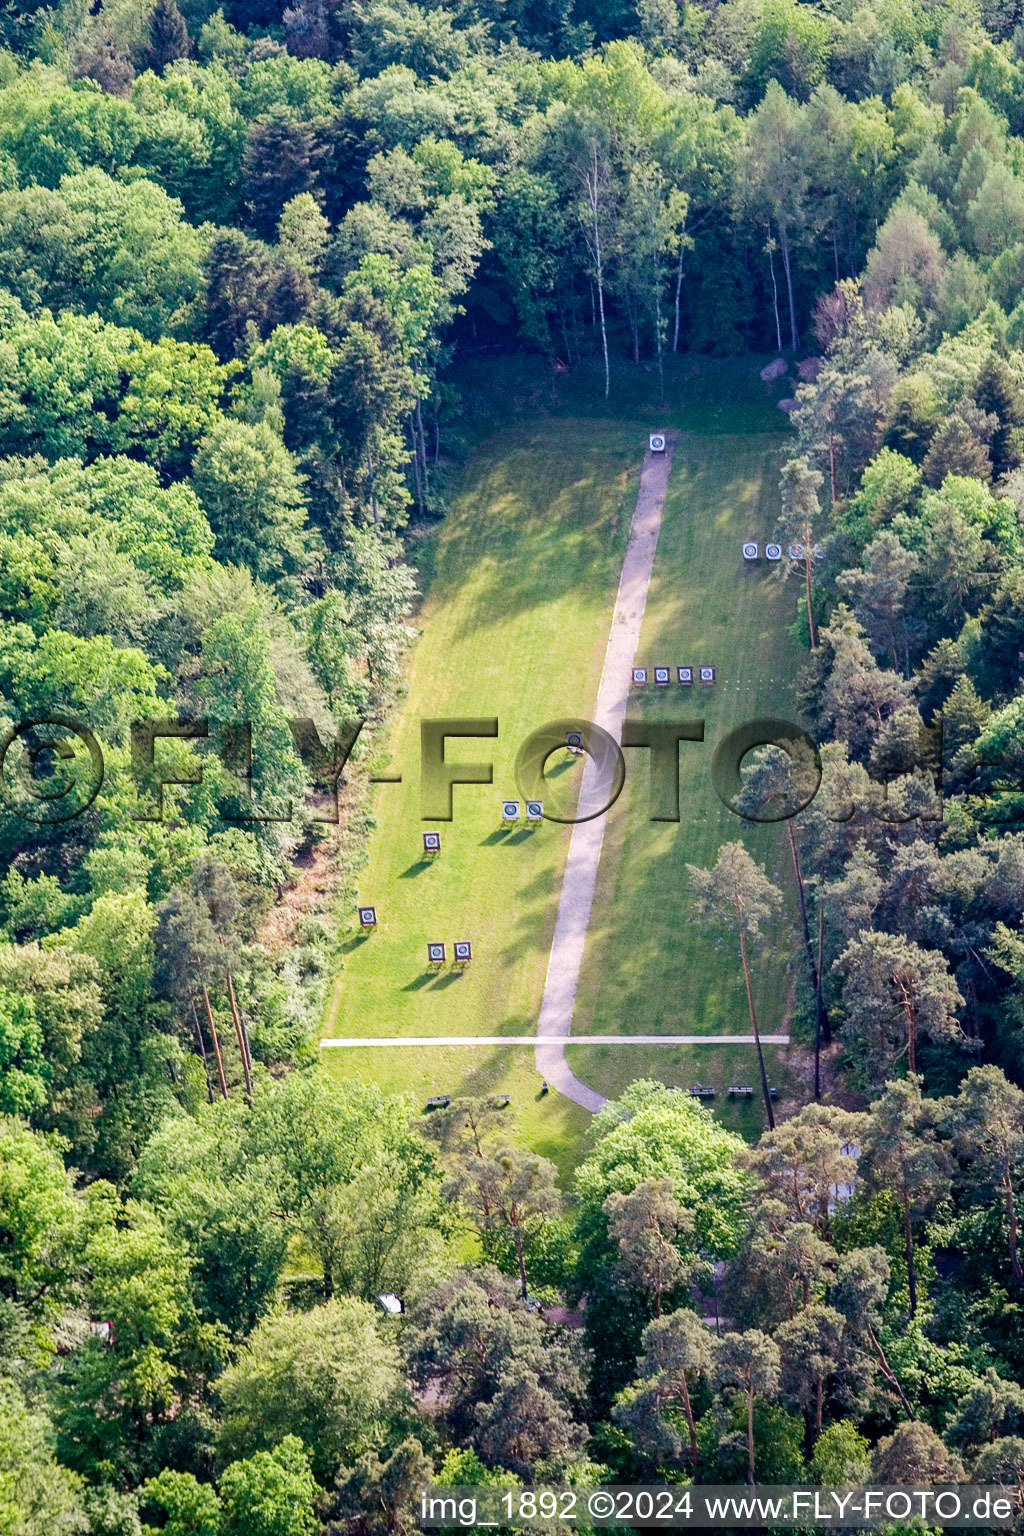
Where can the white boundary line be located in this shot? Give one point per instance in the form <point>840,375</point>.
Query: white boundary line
<point>421,1040</point>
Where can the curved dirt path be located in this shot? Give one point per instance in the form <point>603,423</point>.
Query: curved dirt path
<point>566,958</point>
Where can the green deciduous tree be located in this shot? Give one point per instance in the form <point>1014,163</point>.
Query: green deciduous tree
<point>328,1376</point>
<point>38,1496</point>
<point>271,1493</point>
<point>252,492</point>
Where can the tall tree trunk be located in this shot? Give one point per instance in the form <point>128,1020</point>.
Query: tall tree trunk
<point>202,1051</point>
<point>908,1248</point>
<point>679,293</point>
<point>216,1044</point>
<point>518,1238</point>
<point>819,1395</point>
<point>750,1435</point>
<point>1011,1220</point>
<point>832,465</point>
<point>775,289</point>
<point>373,486</point>
<point>810,605</point>
<point>784,241</point>
<point>889,1373</point>
<point>239,1035</point>
<point>817,1013</point>
<point>416,463</point>
<point>690,1425</point>
<point>753,1025</point>
<point>592,181</point>
<point>657,335</point>
<point>801,898</point>
<point>423,452</point>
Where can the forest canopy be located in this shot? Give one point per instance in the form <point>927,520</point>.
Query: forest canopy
<point>244,250</point>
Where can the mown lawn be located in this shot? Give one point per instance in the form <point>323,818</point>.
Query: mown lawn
<point>520,580</point>
<point>649,968</point>
<point>514,626</point>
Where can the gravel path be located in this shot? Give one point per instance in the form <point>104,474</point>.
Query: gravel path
<point>555,1021</point>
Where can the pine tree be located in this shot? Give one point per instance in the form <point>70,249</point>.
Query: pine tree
<point>168,36</point>
<point>998,392</point>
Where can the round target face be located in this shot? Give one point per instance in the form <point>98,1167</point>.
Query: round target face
<point>639,675</point>
<point>661,674</point>
<point>657,442</point>
<point>435,953</point>
<point>817,551</point>
<point>534,810</point>
<point>573,739</point>
<point>463,950</point>
<point>796,551</point>
<point>510,810</point>
<point>750,551</point>
<point>432,842</point>
<point>368,916</point>
<point>685,674</point>
<point>707,674</point>
<point>773,551</point>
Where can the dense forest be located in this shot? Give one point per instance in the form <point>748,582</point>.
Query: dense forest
<point>239,251</point>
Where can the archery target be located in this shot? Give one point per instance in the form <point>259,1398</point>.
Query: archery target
<point>510,810</point>
<point>685,675</point>
<point>773,551</point>
<point>750,551</point>
<point>573,739</point>
<point>640,676</point>
<point>707,674</point>
<point>432,842</point>
<point>463,949</point>
<point>817,551</point>
<point>657,441</point>
<point>661,674</point>
<point>534,810</point>
<point>796,551</point>
<point>368,917</point>
<point>436,954</point>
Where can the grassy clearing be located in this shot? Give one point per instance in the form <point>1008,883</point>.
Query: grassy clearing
<point>523,575</point>
<point>648,968</point>
<point>520,580</point>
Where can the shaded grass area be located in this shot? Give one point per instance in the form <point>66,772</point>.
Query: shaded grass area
<point>521,579</point>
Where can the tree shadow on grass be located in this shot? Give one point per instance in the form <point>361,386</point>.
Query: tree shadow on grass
<point>356,942</point>
<point>446,980</point>
<point>416,869</point>
<point>418,982</point>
